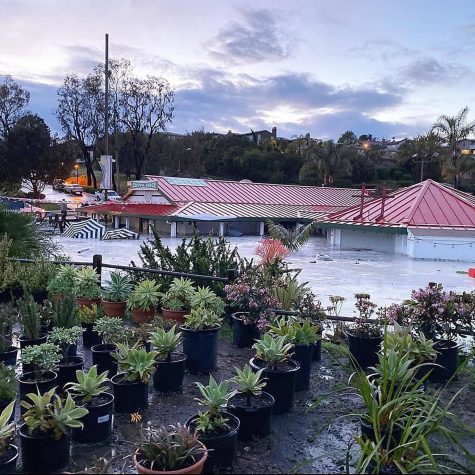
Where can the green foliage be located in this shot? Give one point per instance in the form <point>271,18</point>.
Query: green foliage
<point>273,350</point>
<point>47,413</point>
<point>119,288</point>
<point>289,292</point>
<point>202,319</point>
<point>38,275</point>
<point>7,429</point>
<point>169,448</point>
<point>295,332</point>
<point>214,397</point>
<point>8,383</point>
<point>86,283</point>
<point>293,239</point>
<point>64,280</point>
<point>88,385</point>
<point>204,297</point>
<point>90,314</point>
<point>42,358</point>
<point>179,295</point>
<point>64,338</point>
<point>110,329</point>
<point>8,318</point>
<point>249,382</point>
<point>65,312</point>
<point>198,255</point>
<point>165,342</point>
<point>136,363</point>
<point>145,295</point>
<point>29,317</point>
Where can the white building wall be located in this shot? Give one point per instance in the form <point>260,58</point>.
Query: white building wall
<point>147,196</point>
<point>441,248</point>
<point>367,240</point>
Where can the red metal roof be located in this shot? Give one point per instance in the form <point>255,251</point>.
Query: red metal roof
<point>427,204</point>
<point>236,192</point>
<point>130,209</point>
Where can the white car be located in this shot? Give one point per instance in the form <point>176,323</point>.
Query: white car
<point>111,195</point>
<point>73,189</point>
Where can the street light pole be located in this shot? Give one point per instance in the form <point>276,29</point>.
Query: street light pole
<point>77,173</point>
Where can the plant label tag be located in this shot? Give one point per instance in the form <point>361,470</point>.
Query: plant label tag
<point>103,419</point>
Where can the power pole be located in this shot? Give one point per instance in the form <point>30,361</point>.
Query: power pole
<point>106,136</point>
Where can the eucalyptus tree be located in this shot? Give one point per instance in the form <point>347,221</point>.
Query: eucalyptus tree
<point>13,102</point>
<point>452,129</point>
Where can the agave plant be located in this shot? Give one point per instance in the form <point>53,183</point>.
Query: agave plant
<point>179,295</point>
<point>145,295</point>
<point>204,297</point>
<point>89,385</point>
<point>249,383</point>
<point>87,283</point>
<point>136,363</point>
<point>7,429</point>
<point>119,287</point>
<point>165,342</point>
<point>273,350</point>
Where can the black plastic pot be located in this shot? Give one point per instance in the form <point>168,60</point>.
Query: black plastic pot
<point>9,357</point>
<point>222,447</point>
<point>67,372</point>
<point>39,296</point>
<point>97,423</point>
<point>364,350</point>
<point>367,431</point>
<point>201,349</point>
<point>317,348</point>
<point>256,419</point>
<point>24,342</point>
<point>280,384</point>
<point>129,396</point>
<point>170,374</point>
<point>9,466</point>
<point>89,336</point>
<point>303,356</point>
<point>446,361</point>
<point>102,357</point>
<point>41,453</point>
<point>26,386</point>
<point>244,336</point>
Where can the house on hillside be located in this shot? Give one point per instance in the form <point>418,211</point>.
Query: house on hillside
<point>423,221</point>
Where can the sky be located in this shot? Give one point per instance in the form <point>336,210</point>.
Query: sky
<point>304,66</point>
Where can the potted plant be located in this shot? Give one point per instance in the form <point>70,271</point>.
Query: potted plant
<point>45,438</point>
<point>8,451</point>
<point>8,352</point>
<point>111,330</point>
<point>253,303</point>
<point>200,340</point>
<point>114,297</point>
<point>251,405</point>
<point>46,316</point>
<point>90,390</point>
<point>8,386</point>
<point>87,287</point>
<point>143,301</point>
<point>130,385</point>
<point>65,312</point>
<point>170,363</point>
<point>87,317</point>
<point>273,357</point>
<point>217,429</point>
<point>39,274</point>
<point>30,322</point>
<point>69,364</point>
<point>365,335</point>
<point>61,283</point>
<point>39,364</point>
<point>303,336</point>
<point>171,450</point>
<point>176,303</point>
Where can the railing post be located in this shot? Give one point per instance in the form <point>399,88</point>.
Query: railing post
<point>231,274</point>
<point>97,265</point>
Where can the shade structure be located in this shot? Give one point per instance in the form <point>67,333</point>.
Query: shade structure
<point>122,233</point>
<point>88,229</point>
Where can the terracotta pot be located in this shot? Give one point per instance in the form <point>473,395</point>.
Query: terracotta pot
<point>142,316</point>
<point>114,309</point>
<point>87,302</point>
<point>197,468</point>
<point>175,315</point>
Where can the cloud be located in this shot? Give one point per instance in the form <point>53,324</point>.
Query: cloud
<point>258,38</point>
<point>383,48</point>
<point>428,71</point>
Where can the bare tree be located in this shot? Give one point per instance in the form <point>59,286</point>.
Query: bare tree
<point>13,101</point>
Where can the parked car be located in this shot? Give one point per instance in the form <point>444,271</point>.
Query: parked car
<point>58,185</point>
<point>111,195</point>
<point>73,189</point>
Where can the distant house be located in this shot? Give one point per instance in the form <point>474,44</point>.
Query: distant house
<point>261,135</point>
<point>466,146</point>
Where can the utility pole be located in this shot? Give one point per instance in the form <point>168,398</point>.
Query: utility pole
<point>106,136</point>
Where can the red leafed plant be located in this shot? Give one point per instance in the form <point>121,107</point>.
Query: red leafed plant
<point>271,251</point>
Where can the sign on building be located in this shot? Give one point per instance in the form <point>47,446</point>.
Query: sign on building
<point>143,185</point>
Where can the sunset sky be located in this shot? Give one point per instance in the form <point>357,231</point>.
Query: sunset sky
<point>381,67</point>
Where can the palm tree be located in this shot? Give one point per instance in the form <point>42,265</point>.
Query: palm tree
<point>451,129</point>
<point>330,159</point>
<point>292,239</point>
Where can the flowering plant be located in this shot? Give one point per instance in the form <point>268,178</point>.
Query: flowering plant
<point>247,295</point>
<point>440,314</point>
<point>272,253</point>
<point>364,325</point>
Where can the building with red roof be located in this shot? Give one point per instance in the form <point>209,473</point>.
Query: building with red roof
<point>426,221</point>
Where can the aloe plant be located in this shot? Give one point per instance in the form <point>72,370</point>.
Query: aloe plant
<point>249,383</point>
<point>165,342</point>
<point>88,385</point>
<point>119,288</point>
<point>273,350</point>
